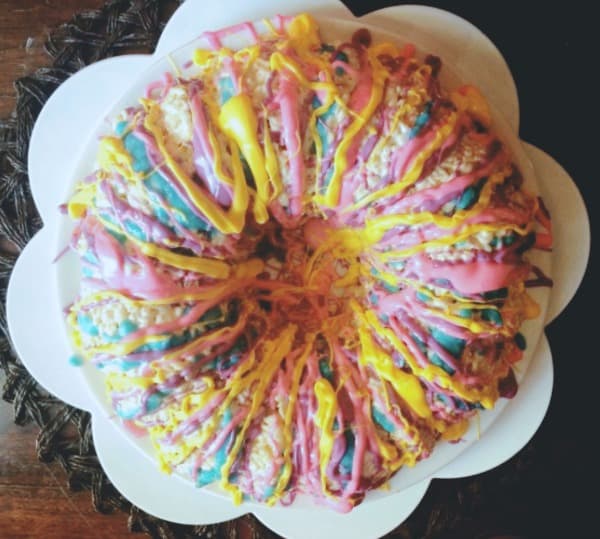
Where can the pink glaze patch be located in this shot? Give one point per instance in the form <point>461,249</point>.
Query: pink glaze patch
<point>468,278</point>
<point>316,232</point>
<point>288,102</point>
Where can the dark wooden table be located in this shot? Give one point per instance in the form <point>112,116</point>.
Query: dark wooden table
<point>552,53</point>
<point>24,26</point>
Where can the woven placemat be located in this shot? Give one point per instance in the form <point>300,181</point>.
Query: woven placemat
<point>477,507</point>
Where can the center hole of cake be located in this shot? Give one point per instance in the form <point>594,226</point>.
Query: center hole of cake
<point>309,281</point>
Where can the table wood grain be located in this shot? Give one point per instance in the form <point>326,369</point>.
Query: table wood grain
<point>24,27</point>
<point>35,501</point>
<point>552,54</point>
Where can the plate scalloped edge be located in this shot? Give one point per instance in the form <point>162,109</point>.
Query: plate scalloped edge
<point>46,357</point>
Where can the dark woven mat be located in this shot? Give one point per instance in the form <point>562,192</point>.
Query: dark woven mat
<point>473,507</point>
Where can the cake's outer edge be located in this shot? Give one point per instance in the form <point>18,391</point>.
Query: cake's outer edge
<point>186,24</point>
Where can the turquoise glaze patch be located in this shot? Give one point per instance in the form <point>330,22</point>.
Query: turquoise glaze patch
<point>127,413</point>
<point>348,458</point>
<point>439,362</point>
<point>452,344</point>
<point>205,477</point>
<point>470,195</point>
<point>126,327</point>
<point>120,128</point>
<point>137,150</point>
<point>520,341</point>
<point>325,369</point>
<point>421,121</point>
<point>154,401</point>
<point>91,258</point>
<point>226,89</point>
<point>128,365</point>
<point>86,325</point>
<point>133,229</point>
<point>380,418</point>
<point>492,315</point>
<point>423,297</point>
<point>76,361</point>
<point>156,183</point>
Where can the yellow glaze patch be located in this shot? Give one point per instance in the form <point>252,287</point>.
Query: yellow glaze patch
<point>324,418</point>
<point>238,120</point>
<point>405,384</point>
<point>468,98</point>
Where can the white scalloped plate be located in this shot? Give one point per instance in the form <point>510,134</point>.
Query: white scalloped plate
<point>33,304</point>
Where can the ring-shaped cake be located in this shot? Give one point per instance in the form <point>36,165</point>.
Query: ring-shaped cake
<point>303,263</point>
